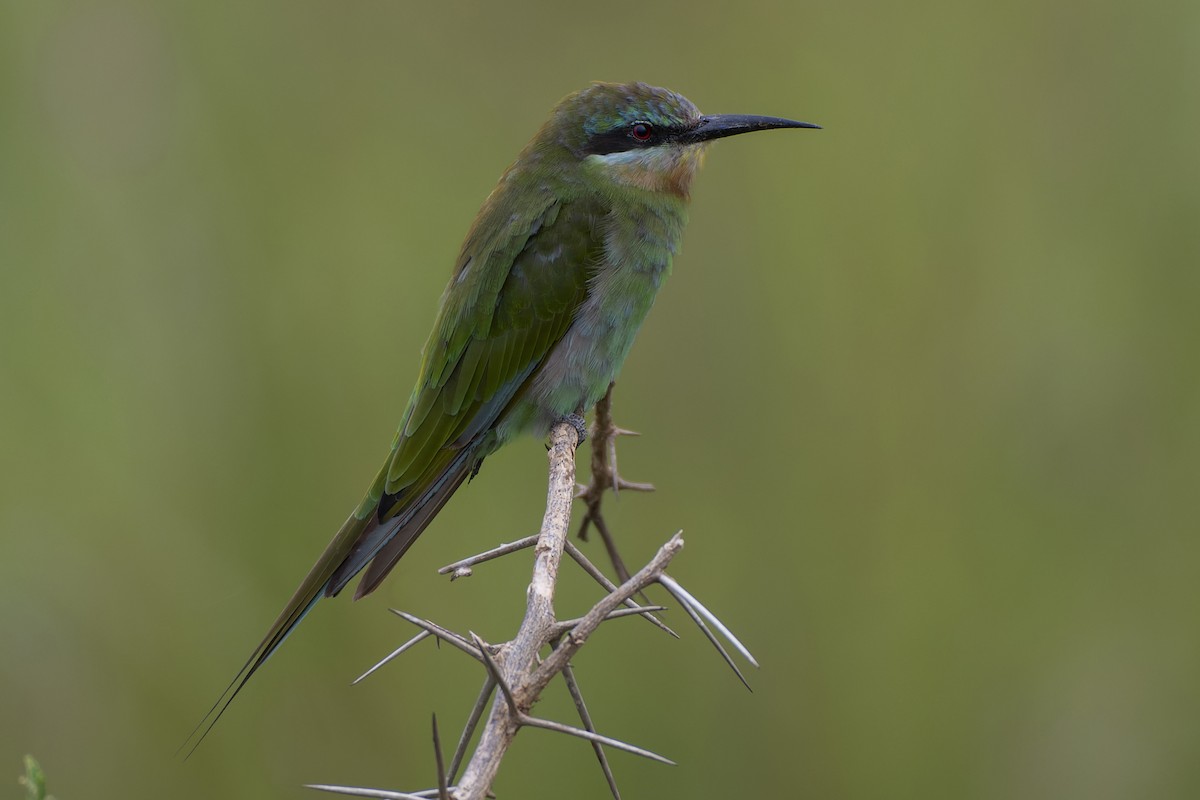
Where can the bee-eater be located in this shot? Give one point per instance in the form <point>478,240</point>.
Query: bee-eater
<point>553,281</point>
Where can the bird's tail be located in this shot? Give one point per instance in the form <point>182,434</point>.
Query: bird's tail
<point>373,534</point>
<point>304,598</point>
<point>399,519</point>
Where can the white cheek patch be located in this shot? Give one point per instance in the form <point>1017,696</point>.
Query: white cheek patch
<point>644,158</point>
<point>666,168</point>
<point>645,168</point>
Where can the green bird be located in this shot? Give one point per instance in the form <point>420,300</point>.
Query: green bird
<point>554,279</point>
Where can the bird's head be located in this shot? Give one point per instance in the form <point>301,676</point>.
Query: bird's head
<point>636,135</point>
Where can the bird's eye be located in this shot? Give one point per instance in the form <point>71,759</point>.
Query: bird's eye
<point>641,131</point>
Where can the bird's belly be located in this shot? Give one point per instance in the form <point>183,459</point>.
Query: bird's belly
<point>578,370</point>
<point>639,246</point>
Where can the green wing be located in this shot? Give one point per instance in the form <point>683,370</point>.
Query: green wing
<point>513,296</point>
<point>508,303</point>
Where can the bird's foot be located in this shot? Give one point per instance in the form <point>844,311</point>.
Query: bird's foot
<point>577,422</point>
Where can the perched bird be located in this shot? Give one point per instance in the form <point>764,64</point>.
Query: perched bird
<point>554,279</point>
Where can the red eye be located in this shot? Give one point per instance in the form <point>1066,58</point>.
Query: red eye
<point>641,131</point>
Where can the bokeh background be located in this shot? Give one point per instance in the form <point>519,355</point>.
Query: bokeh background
<point>923,393</point>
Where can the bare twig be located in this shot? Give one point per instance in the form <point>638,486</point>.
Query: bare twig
<point>485,694</point>
<point>691,612</point>
<point>360,791</point>
<point>461,569</point>
<point>685,597</point>
<point>575,639</point>
<point>617,744</point>
<point>518,666</point>
<point>605,476</point>
<point>516,670</point>
<point>521,653</point>
<point>443,794</point>
<point>591,569</point>
<point>586,718</point>
<point>497,675</point>
<point>444,634</point>
<point>422,635</point>
<point>567,624</point>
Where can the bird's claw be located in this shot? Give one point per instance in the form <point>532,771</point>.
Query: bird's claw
<point>577,422</point>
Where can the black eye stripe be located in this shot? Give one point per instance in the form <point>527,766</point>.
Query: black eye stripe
<point>619,140</point>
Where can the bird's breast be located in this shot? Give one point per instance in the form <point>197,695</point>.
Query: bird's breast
<point>638,252</point>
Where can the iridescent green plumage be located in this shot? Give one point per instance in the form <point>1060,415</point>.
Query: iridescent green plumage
<point>554,279</point>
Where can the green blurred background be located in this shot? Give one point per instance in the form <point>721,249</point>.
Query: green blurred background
<point>922,392</point>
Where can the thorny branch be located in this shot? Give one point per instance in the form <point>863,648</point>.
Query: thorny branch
<point>518,667</point>
<point>605,476</point>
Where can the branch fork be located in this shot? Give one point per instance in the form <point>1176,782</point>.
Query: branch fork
<point>517,667</point>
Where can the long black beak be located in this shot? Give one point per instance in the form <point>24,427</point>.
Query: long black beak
<point>719,126</point>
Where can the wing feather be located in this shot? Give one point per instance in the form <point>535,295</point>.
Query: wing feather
<point>512,297</point>
<point>505,327</point>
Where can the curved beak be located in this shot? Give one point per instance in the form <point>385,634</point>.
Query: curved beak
<point>719,126</point>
